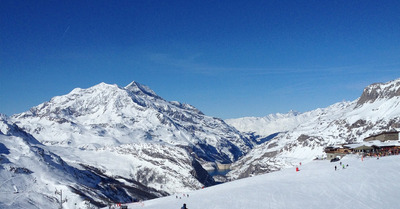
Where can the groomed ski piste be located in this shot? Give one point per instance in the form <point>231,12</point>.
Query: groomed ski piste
<point>367,183</point>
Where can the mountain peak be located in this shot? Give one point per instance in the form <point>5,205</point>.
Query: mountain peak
<point>103,85</point>
<point>138,88</point>
<point>377,91</point>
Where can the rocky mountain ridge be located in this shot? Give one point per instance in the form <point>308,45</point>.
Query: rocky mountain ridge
<point>379,91</point>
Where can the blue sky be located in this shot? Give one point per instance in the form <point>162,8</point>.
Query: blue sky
<point>227,58</point>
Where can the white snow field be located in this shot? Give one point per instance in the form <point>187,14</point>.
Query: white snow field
<point>368,184</point>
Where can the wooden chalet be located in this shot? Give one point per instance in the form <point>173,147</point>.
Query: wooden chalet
<point>336,151</point>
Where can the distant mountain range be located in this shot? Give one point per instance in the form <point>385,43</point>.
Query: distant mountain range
<point>118,144</point>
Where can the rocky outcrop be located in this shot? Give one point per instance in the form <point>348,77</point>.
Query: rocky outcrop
<point>202,175</point>
<point>379,91</point>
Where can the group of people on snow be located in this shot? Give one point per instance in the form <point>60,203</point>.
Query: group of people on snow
<point>342,165</point>
<point>184,195</point>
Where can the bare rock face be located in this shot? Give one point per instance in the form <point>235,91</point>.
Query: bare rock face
<point>377,91</point>
<point>202,175</point>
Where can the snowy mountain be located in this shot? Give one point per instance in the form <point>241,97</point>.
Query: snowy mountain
<point>367,184</point>
<point>265,126</point>
<point>133,135</point>
<point>30,175</point>
<point>262,129</point>
<point>376,111</point>
<point>108,115</point>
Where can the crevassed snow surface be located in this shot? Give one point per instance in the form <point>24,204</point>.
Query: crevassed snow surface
<point>367,184</point>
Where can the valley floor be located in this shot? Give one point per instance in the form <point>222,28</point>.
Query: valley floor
<point>369,184</point>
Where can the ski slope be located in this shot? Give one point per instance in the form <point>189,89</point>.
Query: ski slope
<point>368,184</point>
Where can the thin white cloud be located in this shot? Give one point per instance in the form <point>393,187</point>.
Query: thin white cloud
<point>65,31</point>
<point>190,64</point>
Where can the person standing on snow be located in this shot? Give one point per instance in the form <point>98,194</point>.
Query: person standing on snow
<point>184,206</point>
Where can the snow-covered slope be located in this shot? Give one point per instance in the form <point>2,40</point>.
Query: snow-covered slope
<point>133,133</point>
<point>30,175</point>
<point>367,184</point>
<point>376,111</point>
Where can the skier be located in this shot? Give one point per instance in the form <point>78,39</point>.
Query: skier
<point>335,167</point>
<point>184,206</point>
